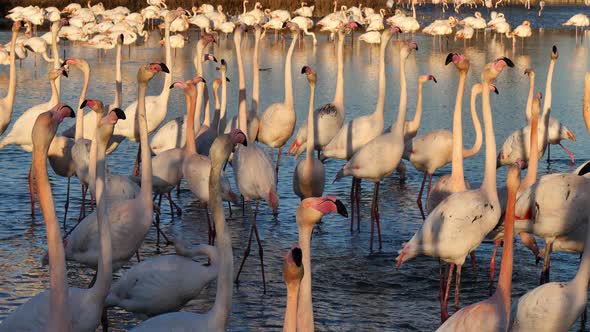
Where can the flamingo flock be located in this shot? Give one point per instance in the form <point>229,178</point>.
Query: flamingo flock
<point>193,150</point>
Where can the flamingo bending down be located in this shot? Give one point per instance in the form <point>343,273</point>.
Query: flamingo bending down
<point>309,176</point>
<point>216,318</point>
<point>278,120</point>
<point>292,274</point>
<point>54,303</point>
<point>451,232</point>
<point>493,314</point>
<point>380,156</point>
<point>125,215</point>
<point>309,212</point>
<point>7,103</point>
<point>252,166</point>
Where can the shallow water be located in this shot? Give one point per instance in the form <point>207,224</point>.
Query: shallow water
<point>354,290</point>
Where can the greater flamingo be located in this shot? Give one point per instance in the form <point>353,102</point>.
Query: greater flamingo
<point>292,274</point>
<point>7,103</point>
<point>450,231</point>
<point>380,156</point>
<point>493,314</point>
<point>216,318</point>
<point>309,212</point>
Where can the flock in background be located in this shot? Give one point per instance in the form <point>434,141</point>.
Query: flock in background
<point>196,147</point>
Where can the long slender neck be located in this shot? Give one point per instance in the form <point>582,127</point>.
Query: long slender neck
<point>381,98</point>
<point>242,115</point>
<point>54,92</point>
<point>54,50</point>
<point>93,154</point>
<point>290,323</point>
<point>146,160</point>
<point>221,125</point>
<point>586,102</point>
<point>168,80</point>
<point>505,279</point>
<point>198,57</point>
<point>338,100</point>
<point>59,317</point>
<point>581,279</point>
<point>310,126</point>
<point>531,175</point>
<point>207,118</point>
<point>244,5</point>
<point>223,298</point>
<point>201,95</point>
<point>305,308</point>
<point>9,99</point>
<point>215,125</point>
<point>190,146</point>
<point>529,100</point>
<point>403,98</point>
<point>79,134</point>
<point>547,102</point>
<point>288,80</point>
<point>255,76</point>
<point>118,78</point>
<point>457,176</point>
<point>476,125</point>
<point>489,179</point>
<point>412,126</point>
<point>105,267</point>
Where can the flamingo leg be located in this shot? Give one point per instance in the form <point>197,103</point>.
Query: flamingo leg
<point>158,225</point>
<point>358,204</point>
<point>473,264</point>
<point>546,262</point>
<point>445,303</point>
<point>104,320</point>
<point>548,153</point>
<point>253,231</point>
<point>457,286</point>
<point>493,264</point>
<point>278,163</point>
<point>83,205</point>
<point>352,203</point>
<point>429,185</point>
<point>419,201</point>
<point>569,153</point>
<point>375,215</point>
<point>137,256</point>
<point>137,162</point>
<point>67,205</point>
<point>32,192</point>
<point>583,320</point>
<point>173,205</point>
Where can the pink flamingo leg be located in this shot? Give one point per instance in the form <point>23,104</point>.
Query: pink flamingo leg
<point>32,192</point>
<point>573,160</point>
<point>419,201</point>
<point>493,264</point>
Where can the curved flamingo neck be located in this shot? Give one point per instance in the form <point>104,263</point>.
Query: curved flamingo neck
<point>255,75</point>
<point>338,100</point>
<point>222,115</point>
<point>505,279</point>
<point>54,31</point>
<point>215,124</point>
<point>413,125</point>
<point>59,317</point>
<point>310,128</point>
<point>146,160</point>
<point>531,175</point>
<point>305,320</point>
<point>8,101</point>
<point>489,179</point>
<point>457,176</point>
<point>221,308</point>
<point>288,81</point>
<point>476,125</point>
<point>118,78</point>
<point>207,117</point>
<point>586,102</point>
<point>54,92</point>
<point>381,98</point>
<point>79,133</point>
<point>199,56</point>
<point>190,145</point>
<point>168,80</point>
<point>290,323</point>
<point>529,101</point>
<point>242,115</point>
<point>548,93</point>
<point>403,98</point>
<point>244,5</point>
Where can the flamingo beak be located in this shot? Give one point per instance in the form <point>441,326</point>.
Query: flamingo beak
<point>294,147</point>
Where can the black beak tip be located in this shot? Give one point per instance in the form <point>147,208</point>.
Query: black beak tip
<point>214,59</point>
<point>297,256</point>
<point>227,79</point>
<point>65,73</point>
<point>341,208</point>
<point>434,79</point>
<point>303,69</point>
<point>84,103</point>
<point>497,91</point>
<point>554,49</point>
<point>223,63</point>
<point>120,113</point>
<point>121,38</point>
<point>164,68</point>
<point>172,86</point>
<point>62,64</point>
<point>449,59</point>
<point>508,62</point>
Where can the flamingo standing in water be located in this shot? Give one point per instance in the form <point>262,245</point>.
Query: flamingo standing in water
<point>493,314</point>
<point>380,156</point>
<point>216,318</point>
<point>278,120</point>
<point>310,211</point>
<point>292,274</point>
<point>458,225</point>
<point>309,176</point>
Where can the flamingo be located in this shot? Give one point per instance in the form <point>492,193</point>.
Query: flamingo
<point>304,10</point>
<point>55,302</point>
<point>465,33</point>
<point>380,156</point>
<point>141,290</point>
<point>522,31</point>
<point>277,122</point>
<point>125,215</point>
<point>456,216</point>
<point>309,212</point>
<point>579,21</point>
<point>292,274</point>
<point>493,314</point>
<point>310,175</point>
<point>216,318</point>
<point>7,103</point>
<point>329,118</point>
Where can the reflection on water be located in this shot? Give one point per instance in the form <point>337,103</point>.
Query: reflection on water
<point>353,289</point>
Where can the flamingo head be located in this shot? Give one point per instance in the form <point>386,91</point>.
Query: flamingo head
<point>209,57</point>
<point>493,69</point>
<point>425,78</point>
<point>62,111</point>
<point>94,104</point>
<point>310,73</point>
<point>293,265</point>
<point>530,72</point>
<point>460,61</point>
<point>114,116</point>
<point>554,53</point>
<point>238,137</point>
<point>312,209</point>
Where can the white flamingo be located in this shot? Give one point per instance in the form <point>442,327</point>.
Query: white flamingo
<point>7,103</point>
